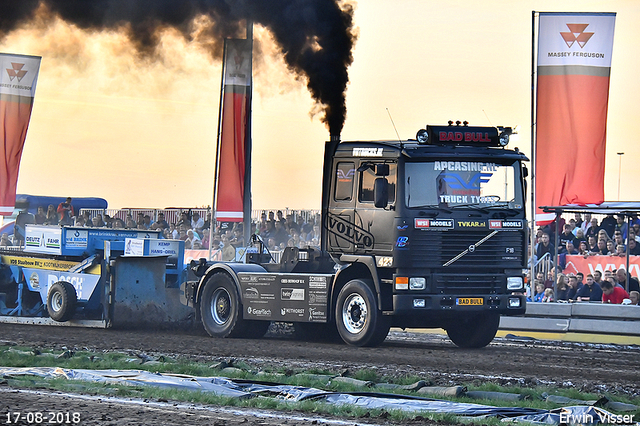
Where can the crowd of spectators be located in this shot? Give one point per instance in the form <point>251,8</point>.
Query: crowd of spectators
<point>276,230</point>
<point>586,237</point>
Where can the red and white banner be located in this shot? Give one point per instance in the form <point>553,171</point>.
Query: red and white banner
<point>235,110</point>
<point>573,67</point>
<point>18,78</point>
<point>589,264</point>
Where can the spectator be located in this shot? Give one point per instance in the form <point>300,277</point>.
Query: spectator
<point>593,229</point>
<point>41,216</point>
<point>65,212</point>
<point>573,287</point>
<point>80,221</point>
<point>140,220</point>
<point>618,239</point>
<point>117,223</point>
<point>602,247</point>
<point>228,251</point>
<point>597,276</point>
<point>621,251</point>
<point>52,216</point>
<point>197,222</point>
<point>591,291</point>
<point>544,247</point>
<point>608,224</point>
<point>97,221</point>
<point>130,223</point>
<point>622,275</point>
<point>146,221</point>
<point>586,223</point>
<point>612,293</point>
<point>580,278</point>
<point>539,286</point>
<point>583,250</point>
<point>634,296</point>
<point>562,289</point>
<point>611,248</point>
<point>592,245</point>
<point>548,295</point>
<point>161,223</point>
<point>565,236</point>
<point>207,223</point>
<point>579,237</point>
<point>621,226</point>
<point>4,240</point>
<point>570,248</point>
<point>634,248</point>
<point>24,218</point>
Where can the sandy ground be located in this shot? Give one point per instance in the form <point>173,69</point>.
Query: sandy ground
<point>588,368</point>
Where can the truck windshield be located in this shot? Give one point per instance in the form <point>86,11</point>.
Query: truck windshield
<point>462,184</point>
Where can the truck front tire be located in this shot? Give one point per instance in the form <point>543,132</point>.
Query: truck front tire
<point>62,301</point>
<point>474,332</point>
<point>358,318</point>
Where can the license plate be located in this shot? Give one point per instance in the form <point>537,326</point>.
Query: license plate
<point>469,301</point>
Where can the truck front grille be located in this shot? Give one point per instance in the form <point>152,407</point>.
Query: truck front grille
<point>433,249</point>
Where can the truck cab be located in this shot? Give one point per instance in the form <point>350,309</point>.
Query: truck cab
<point>443,218</point>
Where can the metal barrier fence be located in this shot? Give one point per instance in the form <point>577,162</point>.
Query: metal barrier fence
<point>579,318</point>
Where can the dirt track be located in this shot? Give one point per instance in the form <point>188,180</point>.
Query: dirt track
<point>589,368</point>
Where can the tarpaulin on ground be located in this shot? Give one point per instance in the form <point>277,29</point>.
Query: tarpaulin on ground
<point>371,400</point>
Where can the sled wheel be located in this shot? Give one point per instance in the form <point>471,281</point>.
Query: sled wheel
<point>62,301</point>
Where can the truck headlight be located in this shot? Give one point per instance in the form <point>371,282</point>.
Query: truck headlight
<point>417,283</point>
<point>514,283</point>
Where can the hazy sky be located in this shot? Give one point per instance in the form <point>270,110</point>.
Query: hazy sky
<point>142,133</point>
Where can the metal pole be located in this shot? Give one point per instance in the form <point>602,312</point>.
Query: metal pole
<point>620,154</point>
<point>533,157</point>
<point>248,145</point>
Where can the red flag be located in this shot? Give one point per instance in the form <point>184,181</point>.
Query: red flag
<point>573,67</point>
<point>18,78</point>
<point>235,109</point>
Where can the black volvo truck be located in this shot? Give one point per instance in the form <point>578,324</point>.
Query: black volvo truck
<point>424,233</point>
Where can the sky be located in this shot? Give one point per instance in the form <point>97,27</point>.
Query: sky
<point>142,133</point>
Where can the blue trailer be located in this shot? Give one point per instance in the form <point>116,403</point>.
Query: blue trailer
<point>92,276</point>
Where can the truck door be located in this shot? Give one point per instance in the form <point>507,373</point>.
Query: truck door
<point>339,221</point>
<point>376,223</point>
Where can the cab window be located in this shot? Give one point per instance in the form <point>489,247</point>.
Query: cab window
<point>345,172</point>
<point>367,180</point>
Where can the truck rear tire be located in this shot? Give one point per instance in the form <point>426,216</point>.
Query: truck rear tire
<point>474,332</point>
<point>62,301</point>
<point>358,318</point>
<point>220,307</point>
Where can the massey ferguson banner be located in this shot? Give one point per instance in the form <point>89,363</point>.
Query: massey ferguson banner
<point>18,78</point>
<point>235,110</point>
<point>573,67</point>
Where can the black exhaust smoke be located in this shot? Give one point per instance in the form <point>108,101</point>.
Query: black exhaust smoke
<point>316,36</point>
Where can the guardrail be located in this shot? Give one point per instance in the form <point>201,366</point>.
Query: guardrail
<point>584,321</point>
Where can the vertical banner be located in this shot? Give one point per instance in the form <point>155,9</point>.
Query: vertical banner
<point>573,67</point>
<point>234,112</point>
<point>18,78</point>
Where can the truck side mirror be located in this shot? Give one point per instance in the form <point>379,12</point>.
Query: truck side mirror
<point>381,192</point>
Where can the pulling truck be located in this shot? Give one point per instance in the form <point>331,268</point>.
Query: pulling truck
<point>424,233</point>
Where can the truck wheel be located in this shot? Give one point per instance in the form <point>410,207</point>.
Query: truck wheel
<point>220,307</point>
<point>62,301</point>
<point>358,319</point>
<point>474,332</point>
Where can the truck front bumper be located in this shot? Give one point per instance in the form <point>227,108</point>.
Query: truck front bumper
<point>420,304</point>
